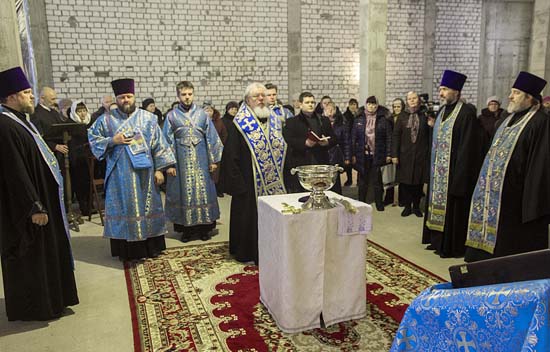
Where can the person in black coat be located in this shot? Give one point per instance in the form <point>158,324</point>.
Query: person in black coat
<point>458,167</point>
<point>410,152</point>
<point>149,105</point>
<point>371,136</point>
<point>341,133</point>
<point>491,116</point>
<point>348,117</point>
<point>79,152</point>
<point>521,189</point>
<point>37,265</point>
<point>302,149</point>
<point>44,117</point>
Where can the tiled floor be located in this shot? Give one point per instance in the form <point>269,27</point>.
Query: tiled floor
<point>101,322</point>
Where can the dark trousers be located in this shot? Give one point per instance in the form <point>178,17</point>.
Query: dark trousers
<point>348,170</point>
<point>370,177</point>
<point>411,195</point>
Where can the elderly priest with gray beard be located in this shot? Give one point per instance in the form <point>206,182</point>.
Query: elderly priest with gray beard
<point>510,208</point>
<point>252,165</point>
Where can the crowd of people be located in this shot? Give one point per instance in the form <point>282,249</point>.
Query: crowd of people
<point>485,178</point>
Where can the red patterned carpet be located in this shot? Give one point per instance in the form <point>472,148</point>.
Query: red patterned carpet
<point>196,298</point>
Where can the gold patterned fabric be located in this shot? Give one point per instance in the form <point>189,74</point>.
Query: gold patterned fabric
<point>268,149</point>
<point>441,164</point>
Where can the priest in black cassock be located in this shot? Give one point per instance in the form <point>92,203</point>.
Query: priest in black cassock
<point>459,145</point>
<point>510,209</point>
<point>37,264</point>
<point>252,166</point>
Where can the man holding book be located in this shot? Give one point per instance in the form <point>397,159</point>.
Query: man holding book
<point>309,137</point>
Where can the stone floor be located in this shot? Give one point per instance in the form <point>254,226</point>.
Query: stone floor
<point>101,322</point>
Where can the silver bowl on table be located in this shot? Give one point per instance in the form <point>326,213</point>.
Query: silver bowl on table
<point>317,179</point>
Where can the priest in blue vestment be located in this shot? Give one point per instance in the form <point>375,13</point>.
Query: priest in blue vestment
<point>132,142</point>
<point>191,198</point>
<point>510,209</point>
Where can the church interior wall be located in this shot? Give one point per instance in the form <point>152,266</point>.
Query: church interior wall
<point>222,46</point>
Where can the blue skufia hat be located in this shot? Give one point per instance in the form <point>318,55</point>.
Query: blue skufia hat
<point>452,79</point>
<point>13,81</point>
<point>530,84</point>
<point>123,86</point>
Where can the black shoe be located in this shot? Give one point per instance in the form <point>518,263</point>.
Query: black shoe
<point>418,212</point>
<point>347,183</point>
<point>185,238</point>
<point>430,247</point>
<point>406,212</point>
<point>220,194</point>
<point>380,207</point>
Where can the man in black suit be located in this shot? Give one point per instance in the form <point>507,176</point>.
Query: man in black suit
<point>45,115</point>
<point>303,149</point>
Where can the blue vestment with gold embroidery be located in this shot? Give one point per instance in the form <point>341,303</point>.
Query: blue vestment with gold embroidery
<point>191,197</point>
<point>507,317</point>
<point>268,149</point>
<point>133,206</point>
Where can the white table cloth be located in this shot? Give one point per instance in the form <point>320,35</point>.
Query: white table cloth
<point>306,268</point>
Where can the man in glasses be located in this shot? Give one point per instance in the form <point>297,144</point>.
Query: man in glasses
<point>252,165</point>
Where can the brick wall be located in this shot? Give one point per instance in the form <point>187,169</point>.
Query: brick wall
<point>330,49</point>
<point>224,45</point>
<point>220,46</point>
<point>457,42</point>
<point>404,40</point>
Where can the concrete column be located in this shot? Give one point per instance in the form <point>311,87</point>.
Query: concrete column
<point>429,45</point>
<point>372,49</point>
<point>294,9</point>
<point>38,30</point>
<point>10,45</point>
<point>539,50</point>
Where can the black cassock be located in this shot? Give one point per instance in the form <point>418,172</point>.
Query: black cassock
<point>468,149</point>
<point>36,260</point>
<point>525,202</point>
<point>238,180</point>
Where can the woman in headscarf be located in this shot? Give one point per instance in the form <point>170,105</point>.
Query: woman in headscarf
<point>79,152</point>
<point>410,152</point>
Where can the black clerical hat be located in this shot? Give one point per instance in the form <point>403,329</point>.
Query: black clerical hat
<point>13,81</point>
<point>452,79</point>
<point>530,84</point>
<point>123,86</point>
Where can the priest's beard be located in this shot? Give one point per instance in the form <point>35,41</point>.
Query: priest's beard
<point>519,105</point>
<point>262,112</point>
<point>448,101</point>
<point>127,108</point>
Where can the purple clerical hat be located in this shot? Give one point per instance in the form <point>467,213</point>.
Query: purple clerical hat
<point>452,79</point>
<point>123,86</point>
<point>530,84</point>
<point>13,81</point>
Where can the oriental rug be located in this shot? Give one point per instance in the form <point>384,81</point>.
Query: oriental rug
<point>197,298</point>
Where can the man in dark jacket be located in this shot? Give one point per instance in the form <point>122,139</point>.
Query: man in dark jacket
<point>44,117</point>
<point>371,137</point>
<point>302,148</point>
<point>348,117</point>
